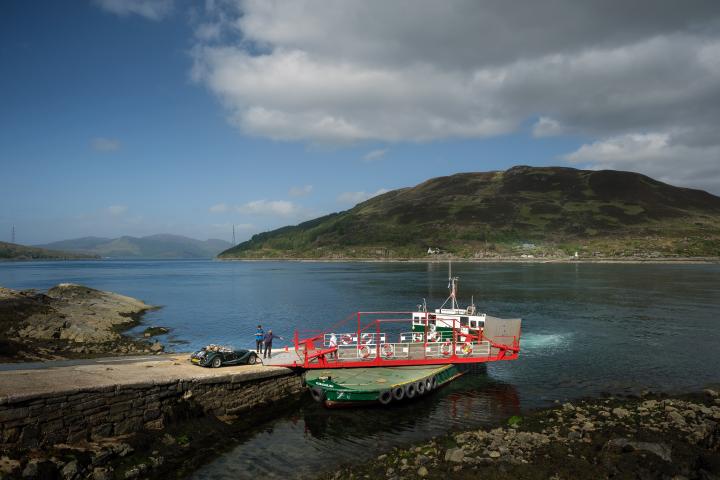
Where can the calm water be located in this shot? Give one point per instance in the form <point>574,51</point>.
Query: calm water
<point>587,329</point>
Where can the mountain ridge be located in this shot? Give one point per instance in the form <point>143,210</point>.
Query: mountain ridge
<point>162,245</point>
<point>15,251</point>
<point>543,211</point>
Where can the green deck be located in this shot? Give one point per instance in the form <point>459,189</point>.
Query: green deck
<point>343,385</point>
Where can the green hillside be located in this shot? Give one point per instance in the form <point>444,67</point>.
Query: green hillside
<point>543,211</point>
<point>13,251</point>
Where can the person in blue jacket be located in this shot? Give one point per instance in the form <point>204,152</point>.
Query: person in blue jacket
<point>267,340</point>
<point>259,334</point>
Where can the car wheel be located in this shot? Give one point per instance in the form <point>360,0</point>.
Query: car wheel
<point>253,359</point>
<point>217,362</point>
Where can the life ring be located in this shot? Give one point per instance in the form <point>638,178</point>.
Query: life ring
<point>388,350</point>
<point>446,348</point>
<point>467,348</point>
<point>385,397</point>
<point>366,338</point>
<point>410,390</point>
<point>398,393</point>
<point>417,337</point>
<point>318,394</point>
<point>364,351</point>
<point>420,387</point>
<point>346,339</point>
<point>433,336</point>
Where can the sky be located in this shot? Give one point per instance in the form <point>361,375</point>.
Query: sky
<point>137,117</point>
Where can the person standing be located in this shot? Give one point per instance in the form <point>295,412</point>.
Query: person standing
<point>267,340</point>
<point>259,334</point>
<point>333,344</point>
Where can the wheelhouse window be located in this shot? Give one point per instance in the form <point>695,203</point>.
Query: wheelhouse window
<point>464,321</point>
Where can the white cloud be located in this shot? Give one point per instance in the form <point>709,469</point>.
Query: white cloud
<point>375,155</point>
<point>546,127</point>
<point>268,207</point>
<point>117,210</point>
<point>357,197</point>
<point>219,208</point>
<point>300,191</point>
<point>658,155</point>
<point>427,71</point>
<point>150,9</point>
<point>101,144</point>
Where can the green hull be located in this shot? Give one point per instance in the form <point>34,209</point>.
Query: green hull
<point>349,386</point>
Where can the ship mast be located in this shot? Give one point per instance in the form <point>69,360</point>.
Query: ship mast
<point>452,286</point>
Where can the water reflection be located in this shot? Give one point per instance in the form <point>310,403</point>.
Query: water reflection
<point>314,438</point>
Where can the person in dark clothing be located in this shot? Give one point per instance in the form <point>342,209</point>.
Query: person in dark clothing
<point>259,334</point>
<point>267,341</point>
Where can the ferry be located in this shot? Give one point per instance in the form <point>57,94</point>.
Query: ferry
<point>444,336</point>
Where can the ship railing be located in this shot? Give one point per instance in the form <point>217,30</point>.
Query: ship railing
<point>464,349</point>
<point>387,351</point>
<point>351,338</point>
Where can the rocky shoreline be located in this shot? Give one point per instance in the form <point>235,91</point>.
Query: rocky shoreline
<point>69,321</point>
<point>654,436</point>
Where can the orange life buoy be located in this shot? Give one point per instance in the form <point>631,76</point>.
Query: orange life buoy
<point>364,351</point>
<point>388,350</point>
<point>467,348</point>
<point>346,339</point>
<point>445,348</point>
<point>367,338</point>
<point>433,336</point>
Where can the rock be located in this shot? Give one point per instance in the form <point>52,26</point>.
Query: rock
<point>623,444</point>
<point>455,455</point>
<point>494,454</point>
<point>70,470</point>
<point>620,412</point>
<point>422,472</point>
<point>31,469</point>
<point>676,418</point>
<point>156,347</point>
<point>8,465</point>
<point>100,473</point>
<point>574,435</point>
<point>710,392</point>
<point>650,404</point>
<point>588,426</point>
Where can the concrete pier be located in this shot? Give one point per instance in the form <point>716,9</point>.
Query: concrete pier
<point>72,401</point>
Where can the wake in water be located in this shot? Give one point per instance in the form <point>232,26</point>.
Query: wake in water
<point>545,343</point>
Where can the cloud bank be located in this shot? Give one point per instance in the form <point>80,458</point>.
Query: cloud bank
<point>622,74</point>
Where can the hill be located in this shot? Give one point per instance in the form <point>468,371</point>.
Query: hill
<point>13,251</point>
<point>153,246</point>
<point>539,211</point>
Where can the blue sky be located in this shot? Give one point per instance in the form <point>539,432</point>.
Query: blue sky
<point>141,117</point>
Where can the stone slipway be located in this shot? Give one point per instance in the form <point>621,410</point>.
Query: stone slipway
<point>23,381</point>
<point>70,402</point>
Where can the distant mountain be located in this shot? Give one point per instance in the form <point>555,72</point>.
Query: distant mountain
<point>154,246</point>
<point>534,210</point>
<point>13,251</point>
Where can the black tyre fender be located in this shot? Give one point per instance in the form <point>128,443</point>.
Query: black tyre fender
<point>385,397</point>
<point>398,393</point>
<point>410,390</point>
<point>216,362</point>
<point>420,387</point>
<point>433,381</point>
<point>318,394</point>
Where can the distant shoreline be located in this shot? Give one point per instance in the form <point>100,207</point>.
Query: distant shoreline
<point>628,260</point>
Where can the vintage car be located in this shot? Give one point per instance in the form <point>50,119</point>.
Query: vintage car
<point>216,356</point>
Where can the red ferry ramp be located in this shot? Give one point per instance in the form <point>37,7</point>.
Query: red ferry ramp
<point>378,341</point>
